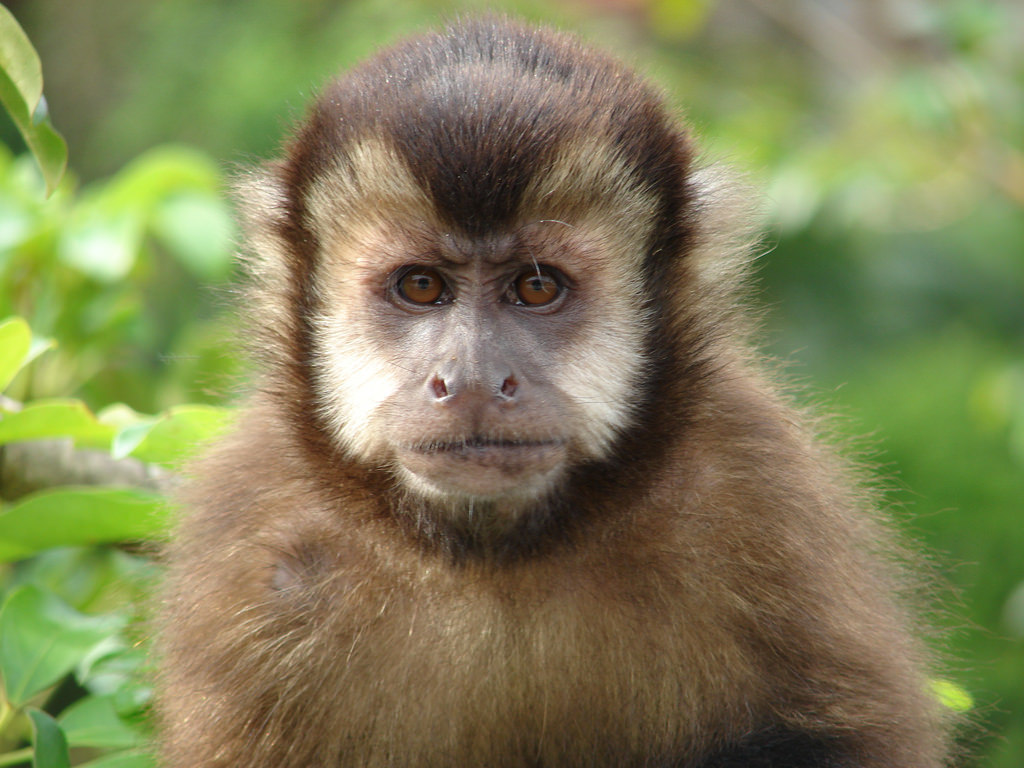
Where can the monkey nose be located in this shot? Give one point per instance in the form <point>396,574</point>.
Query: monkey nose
<point>449,389</point>
<point>509,387</point>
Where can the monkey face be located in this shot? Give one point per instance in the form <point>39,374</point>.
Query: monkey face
<point>474,260</point>
<point>478,367</point>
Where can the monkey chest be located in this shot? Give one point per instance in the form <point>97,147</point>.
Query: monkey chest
<point>435,671</point>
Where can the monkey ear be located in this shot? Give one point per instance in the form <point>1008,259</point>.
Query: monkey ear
<point>261,197</point>
<point>263,212</point>
<point>728,232</point>
<point>262,203</point>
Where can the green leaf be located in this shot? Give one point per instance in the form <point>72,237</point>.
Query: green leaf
<point>178,434</point>
<point>115,668</point>
<point>119,416</point>
<point>197,228</point>
<point>39,346</point>
<point>48,147</point>
<point>951,695</point>
<point>128,759</point>
<point>101,243</point>
<point>19,60</point>
<point>154,176</point>
<point>171,191</point>
<point>93,722</point>
<point>44,419</point>
<point>90,578</point>
<point>15,344</point>
<point>129,437</point>
<point>21,92</point>
<point>42,639</point>
<point>51,747</point>
<point>76,516</point>
<point>133,701</point>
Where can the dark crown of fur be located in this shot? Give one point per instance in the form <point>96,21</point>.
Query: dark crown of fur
<point>478,109</point>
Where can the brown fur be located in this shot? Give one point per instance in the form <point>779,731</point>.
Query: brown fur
<point>705,585</point>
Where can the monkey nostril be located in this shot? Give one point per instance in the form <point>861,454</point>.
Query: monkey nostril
<point>440,390</point>
<point>509,386</point>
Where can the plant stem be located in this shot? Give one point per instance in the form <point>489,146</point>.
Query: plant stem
<point>17,756</point>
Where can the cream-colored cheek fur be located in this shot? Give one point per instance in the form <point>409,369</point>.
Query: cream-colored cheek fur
<point>353,381</point>
<point>611,217</point>
<point>600,373</point>
<point>350,206</point>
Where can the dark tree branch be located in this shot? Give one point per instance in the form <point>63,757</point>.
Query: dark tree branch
<point>33,466</point>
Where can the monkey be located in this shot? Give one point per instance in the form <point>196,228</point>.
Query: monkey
<point>513,484</point>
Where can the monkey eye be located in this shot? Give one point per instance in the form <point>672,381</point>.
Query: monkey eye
<point>535,288</point>
<point>423,285</point>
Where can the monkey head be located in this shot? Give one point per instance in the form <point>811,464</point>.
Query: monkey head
<point>476,250</point>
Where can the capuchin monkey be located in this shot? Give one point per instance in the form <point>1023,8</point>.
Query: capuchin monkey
<point>513,487</point>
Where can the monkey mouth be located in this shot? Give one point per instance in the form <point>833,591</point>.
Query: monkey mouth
<point>484,466</point>
<point>480,445</point>
<point>512,455</point>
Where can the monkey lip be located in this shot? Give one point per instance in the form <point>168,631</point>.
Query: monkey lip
<point>490,451</point>
<point>481,445</point>
<point>482,465</point>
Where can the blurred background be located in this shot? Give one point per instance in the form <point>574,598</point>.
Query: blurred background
<point>887,137</point>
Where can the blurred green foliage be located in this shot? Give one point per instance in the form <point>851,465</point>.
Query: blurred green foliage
<point>116,270</point>
<point>72,642</point>
<point>887,137</point>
